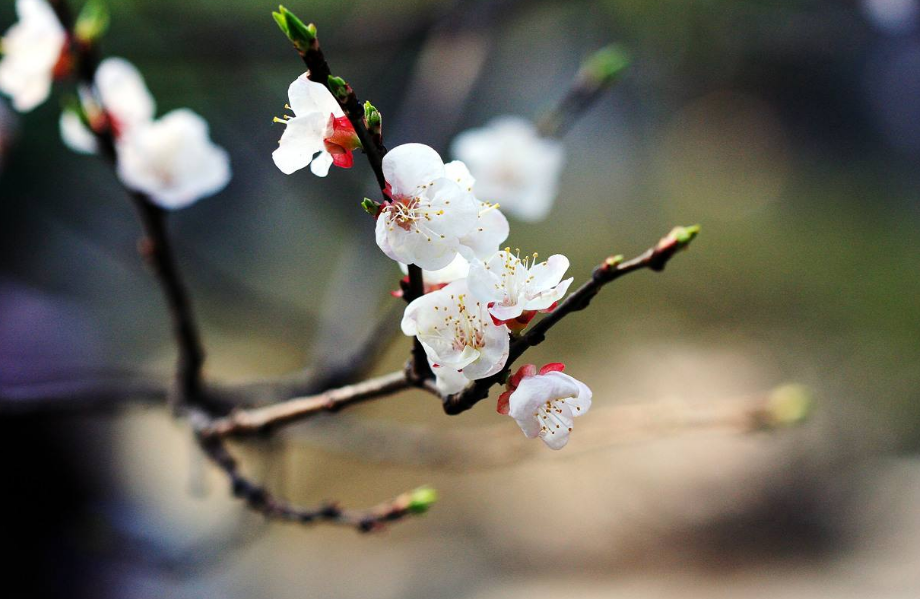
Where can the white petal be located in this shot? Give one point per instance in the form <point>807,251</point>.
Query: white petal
<point>458,269</point>
<point>503,312</point>
<point>545,299</point>
<point>512,165</point>
<point>485,283</point>
<point>490,231</point>
<point>307,96</point>
<point>494,354</point>
<point>75,134</point>
<point>410,166</point>
<point>321,164</point>
<point>301,140</point>
<point>448,380</point>
<point>548,274</point>
<point>123,92</point>
<point>534,391</point>
<point>458,172</point>
<point>173,160</point>
<point>31,49</point>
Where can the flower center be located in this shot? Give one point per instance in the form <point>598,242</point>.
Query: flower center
<point>548,415</point>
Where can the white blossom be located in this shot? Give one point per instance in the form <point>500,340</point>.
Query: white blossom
<point>545,404</point>
<point>32,49</point>
<point>510,285</point>
<point>491,227</point>
<point>458,269</point>
<point>458,335</point>
<point>513,165</point>
<point>172,160</point>
<point>319,134</point>
<point>126,103</point>
<point>433,215</point>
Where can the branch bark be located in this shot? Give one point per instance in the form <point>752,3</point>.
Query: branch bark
<point>260,499</point>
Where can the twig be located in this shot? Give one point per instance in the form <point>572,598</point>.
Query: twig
<point>319,71</point>
<point>155,247</point>
<point>262,420</point>
<point>261,500</point>
<point>598,72</point>
<point>613,268</point>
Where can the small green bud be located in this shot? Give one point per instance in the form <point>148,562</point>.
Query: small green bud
<point>338,87</point>
<point>613,261</point>
<point>685,235</point>
<point>301,35</point>
<point>788,405</point>
<point>421,499</point>
<point>606,65</point>
<point>93,22</point>
<point>370,206</point>
<point>372,118</point>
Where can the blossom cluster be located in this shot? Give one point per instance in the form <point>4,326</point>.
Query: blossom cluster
<point>477,295</point>
<point>171,160</point>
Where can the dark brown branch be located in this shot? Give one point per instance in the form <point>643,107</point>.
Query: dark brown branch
<point>155,247</point>
<point>260,499</point>
<point>613,268</point>
<point>320,72</point>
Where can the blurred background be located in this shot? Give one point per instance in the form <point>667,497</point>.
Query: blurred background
<point>790,130</point>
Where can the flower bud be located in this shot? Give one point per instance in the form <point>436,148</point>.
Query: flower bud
<point>372,119</point>
<point>339,88</point>
<point>788,405</point>
<point>301,35</point>
<point>421,499</point>
<point>370,206</point>
<point>92,22</point>
<point>605,66</point>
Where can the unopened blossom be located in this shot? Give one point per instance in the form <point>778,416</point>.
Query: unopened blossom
<point>32,49</point>
<point>458,335</point>
<point>319,134</point>
<point>432,214</point>
<point>511,285</point>
<point>126,103</point>
<point>545,403</point>
<point>172,160</point>
<point>513,166</point>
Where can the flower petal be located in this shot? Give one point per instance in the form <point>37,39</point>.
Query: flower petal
<point>306,96</point>
<point>410,166</point>
<point>320,165</point>
<point>75,134</point>
<point>301,140</point>
<point>123,92</point>
<point>490,231</point>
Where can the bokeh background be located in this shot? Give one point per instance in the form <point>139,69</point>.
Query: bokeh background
<point>790,130</point>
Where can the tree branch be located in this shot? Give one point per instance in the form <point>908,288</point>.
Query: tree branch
<point>263,420</point>
<point>613,268</point>
<point>319,71</point>
<point>260,499</point>
<point>155,247</point>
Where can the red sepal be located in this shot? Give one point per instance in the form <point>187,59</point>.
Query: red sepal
<point>504,406</point>
<point>553,367</point>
